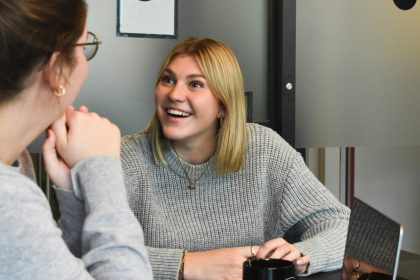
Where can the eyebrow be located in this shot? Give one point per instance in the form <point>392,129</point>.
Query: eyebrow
<point>169,71</point>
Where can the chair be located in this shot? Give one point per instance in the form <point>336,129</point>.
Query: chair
<point>373,238</point>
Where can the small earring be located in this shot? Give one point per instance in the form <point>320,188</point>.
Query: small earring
<point>61,91</point>
<point>220,121</point>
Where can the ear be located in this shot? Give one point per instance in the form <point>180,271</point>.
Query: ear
<point>52,72</point>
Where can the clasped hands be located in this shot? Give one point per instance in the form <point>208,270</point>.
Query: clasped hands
<point>226,263</point>
<point>77,135</point>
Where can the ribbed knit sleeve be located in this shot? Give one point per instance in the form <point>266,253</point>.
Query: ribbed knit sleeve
<point>300,204</point>
<point>316,217</point>
<point>72,216</point>
<point>165,262</point>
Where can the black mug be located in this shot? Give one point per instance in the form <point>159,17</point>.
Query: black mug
<point>268,269</point>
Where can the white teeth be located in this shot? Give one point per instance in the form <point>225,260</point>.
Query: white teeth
<point>178,113</point>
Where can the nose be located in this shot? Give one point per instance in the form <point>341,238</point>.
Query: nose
<point>177,93</point>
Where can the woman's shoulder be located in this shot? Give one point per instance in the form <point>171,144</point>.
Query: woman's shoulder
<point>134,137</point>
<point>264,142</point>
<point>135,145</point>
<point>258,128</point>
<point>13,184</point>
<point>259,134</point>
<point>134,140</point>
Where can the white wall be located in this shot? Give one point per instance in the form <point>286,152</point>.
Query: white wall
<point>357,73</point>
<point>388,178</point>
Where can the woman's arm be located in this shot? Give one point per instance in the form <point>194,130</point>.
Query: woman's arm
<point>111,237</point>
<point>224,263</point>
<point>72,216</point>
<point>165,262</point>
<point>32,245</point>
<point>110,230</point>
<point>316,217</point>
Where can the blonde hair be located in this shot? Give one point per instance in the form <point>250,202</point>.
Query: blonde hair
<point>223,75</point>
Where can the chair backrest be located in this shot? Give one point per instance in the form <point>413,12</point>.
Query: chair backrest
<point>373,238</point>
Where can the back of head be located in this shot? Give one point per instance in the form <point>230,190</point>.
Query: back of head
<point>30,32</point>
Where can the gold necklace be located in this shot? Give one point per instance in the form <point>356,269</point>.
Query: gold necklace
<point>192,185</point>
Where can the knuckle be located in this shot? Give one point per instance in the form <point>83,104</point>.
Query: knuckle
<point>115,128</point>
<point>93,115</point>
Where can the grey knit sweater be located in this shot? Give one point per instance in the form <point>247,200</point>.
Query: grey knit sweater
<point>274,193</point>
<point>98,227</point>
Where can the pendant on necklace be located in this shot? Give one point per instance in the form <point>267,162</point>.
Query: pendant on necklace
<point>191,187</point>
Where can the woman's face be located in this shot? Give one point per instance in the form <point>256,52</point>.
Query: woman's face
<point>186,107</point>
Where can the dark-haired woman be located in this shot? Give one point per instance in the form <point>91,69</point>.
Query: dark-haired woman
<point>44,48</point>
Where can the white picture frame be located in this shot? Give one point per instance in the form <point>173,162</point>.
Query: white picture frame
<point>147,18</point>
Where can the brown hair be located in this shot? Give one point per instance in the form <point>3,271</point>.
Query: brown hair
<point>224,77</point>
<point>30,32</point>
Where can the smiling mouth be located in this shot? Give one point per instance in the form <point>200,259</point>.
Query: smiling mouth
<point>177,113</point>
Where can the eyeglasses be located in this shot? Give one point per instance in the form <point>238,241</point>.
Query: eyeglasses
<point>90,48</point>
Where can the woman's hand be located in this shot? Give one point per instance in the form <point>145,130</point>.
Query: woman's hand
<point>225,263</point>
<point>85,135</point>
<point>280,249</point>
<point>75,136</point>
<point>57,170</point>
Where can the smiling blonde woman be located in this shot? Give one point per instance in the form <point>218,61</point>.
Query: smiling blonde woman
<point>211,190</point>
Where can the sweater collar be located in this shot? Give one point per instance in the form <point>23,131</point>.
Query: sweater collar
<point>15,167</point>
<point>194,171</point>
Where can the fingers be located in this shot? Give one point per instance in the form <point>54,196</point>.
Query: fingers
<point>56,169</point>
<point>302,264</point>
<point>48,147</point>
<point>304,260</point>
<point>70,110</point>
<point>279,249</point>
<point>77,135</point>
<point>286,252</point>
<point>267,249</point>
<point>49,152</point>
<point>250,251</point>
<point>83,109</point>
<point>89,134</point>
<point>59,130</point>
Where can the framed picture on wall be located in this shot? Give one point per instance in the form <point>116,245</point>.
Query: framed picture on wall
<point>147,18</point>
